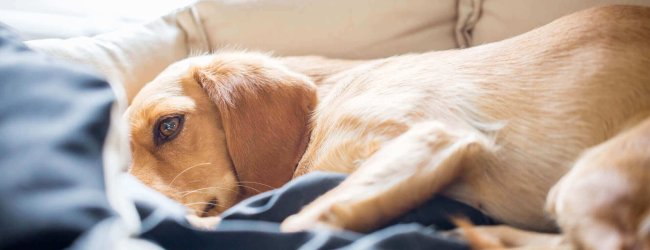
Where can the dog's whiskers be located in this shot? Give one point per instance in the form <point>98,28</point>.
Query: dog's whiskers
<point>186,193</point>
<point>187,169</point>
<point>254,189</point>
<point>203,203</point>
<point>258,183</point>
<point>183,194</point>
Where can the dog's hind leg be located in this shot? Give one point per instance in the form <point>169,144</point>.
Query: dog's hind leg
<point>402,174</point>
<point>604,201</point>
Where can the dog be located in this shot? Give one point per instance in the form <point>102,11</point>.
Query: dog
<point>547,129</point>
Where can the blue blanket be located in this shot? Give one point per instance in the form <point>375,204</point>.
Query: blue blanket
<point>254,224</point>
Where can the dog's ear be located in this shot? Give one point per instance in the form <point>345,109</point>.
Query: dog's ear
<point>265,110</point>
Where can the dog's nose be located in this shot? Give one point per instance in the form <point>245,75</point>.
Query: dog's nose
<point>212,204</point>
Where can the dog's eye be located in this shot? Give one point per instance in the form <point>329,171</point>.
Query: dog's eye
<point>167,128</point>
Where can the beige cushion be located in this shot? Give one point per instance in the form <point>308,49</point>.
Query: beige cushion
<point>501,19</point>
<point>335,28</point>
<point>131,57</point>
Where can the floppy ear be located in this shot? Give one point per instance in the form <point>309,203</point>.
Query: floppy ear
<point>265,110</point>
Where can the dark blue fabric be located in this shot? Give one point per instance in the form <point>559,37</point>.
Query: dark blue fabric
<point>254,224</point>
<point>53,120</point>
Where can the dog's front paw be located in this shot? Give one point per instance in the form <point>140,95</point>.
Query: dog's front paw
<point>314,216</point>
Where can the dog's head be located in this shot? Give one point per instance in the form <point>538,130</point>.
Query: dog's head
<point>212,130</point>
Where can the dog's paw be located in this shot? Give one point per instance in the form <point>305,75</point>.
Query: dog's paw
<point>315,216</point>
<point>603,210</point>
<point>297,223</point>
<point>203,223</point>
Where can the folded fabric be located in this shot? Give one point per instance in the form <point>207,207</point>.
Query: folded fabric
<point>254,224</point>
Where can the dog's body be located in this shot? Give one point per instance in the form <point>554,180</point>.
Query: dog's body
<point>495,126</point>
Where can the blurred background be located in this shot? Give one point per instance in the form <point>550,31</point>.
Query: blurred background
<point>35,19</point>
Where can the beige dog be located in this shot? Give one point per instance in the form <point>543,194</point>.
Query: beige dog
<point>494,126</point>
